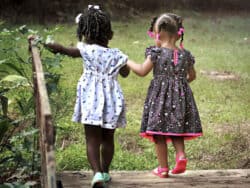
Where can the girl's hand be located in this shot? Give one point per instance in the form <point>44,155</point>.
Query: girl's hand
<point>124,71</point>
<point>191,74</point>
<point>31,38</point>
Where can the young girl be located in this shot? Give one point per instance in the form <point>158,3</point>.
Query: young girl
<point>99,103</point>
<point>170,112</point>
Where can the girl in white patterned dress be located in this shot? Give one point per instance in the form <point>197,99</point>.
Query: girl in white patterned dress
<point>99,103</point>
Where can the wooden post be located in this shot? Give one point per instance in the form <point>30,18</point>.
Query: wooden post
<point>44,122</point>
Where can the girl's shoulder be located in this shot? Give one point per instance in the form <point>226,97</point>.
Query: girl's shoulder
<point>84,46</point>
<point>97,49</point>
<point>188,56</point>
<point>152,50</point>
<point>185,51</point>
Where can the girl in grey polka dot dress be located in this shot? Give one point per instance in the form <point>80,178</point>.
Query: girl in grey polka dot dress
<point>170,113</point>
<point>99,103</point>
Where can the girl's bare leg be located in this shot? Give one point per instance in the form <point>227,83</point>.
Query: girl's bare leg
<point>161,150</point>
<point>107,149</point>
<point>93,136</point>
<point>181,161</point>
<point>179,146</point>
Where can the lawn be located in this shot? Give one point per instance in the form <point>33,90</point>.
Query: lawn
<point>219,42</point>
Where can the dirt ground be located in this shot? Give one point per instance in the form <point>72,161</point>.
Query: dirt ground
<point>237,178</point>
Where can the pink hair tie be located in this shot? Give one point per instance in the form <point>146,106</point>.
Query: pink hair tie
<point>150,34</point>
<point>181,30</point>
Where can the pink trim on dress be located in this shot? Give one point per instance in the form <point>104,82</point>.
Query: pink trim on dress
<point>187,136</point>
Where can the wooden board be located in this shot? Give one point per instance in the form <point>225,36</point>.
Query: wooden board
<point>139,179</point>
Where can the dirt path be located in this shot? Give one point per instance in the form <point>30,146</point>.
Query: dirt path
<point>144,179</point>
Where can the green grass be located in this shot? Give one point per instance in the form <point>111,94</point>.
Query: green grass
<point>220,43</point>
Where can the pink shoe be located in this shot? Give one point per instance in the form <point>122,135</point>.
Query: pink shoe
<point>180,166</point>
<point>161,172</point>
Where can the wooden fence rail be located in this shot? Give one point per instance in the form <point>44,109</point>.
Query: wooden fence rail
<point>43,122</point>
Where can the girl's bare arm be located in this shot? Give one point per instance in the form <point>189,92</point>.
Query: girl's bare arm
<point>141,69</point>
<point>58,48</point>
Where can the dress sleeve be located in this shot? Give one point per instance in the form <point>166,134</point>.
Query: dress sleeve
<point>153,52</point>
<point>81,46</point>
<point>121,58</point>
<point>190,59</point>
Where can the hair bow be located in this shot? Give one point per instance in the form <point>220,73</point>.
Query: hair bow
<point>96,7</point>
<point>181,30</point>
<point>77,19</point>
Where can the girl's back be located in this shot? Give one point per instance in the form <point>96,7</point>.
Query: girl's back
<point>169,65</point>
<point>170,106</point>
<point>101,60</point>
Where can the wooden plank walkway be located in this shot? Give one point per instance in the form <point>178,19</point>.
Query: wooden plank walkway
<point>238,178</point>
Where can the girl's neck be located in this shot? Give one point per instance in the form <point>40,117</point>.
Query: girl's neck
<point>169,45</point>
<point>168,42</point>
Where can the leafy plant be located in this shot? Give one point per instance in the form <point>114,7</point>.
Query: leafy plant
<point>19,156</point>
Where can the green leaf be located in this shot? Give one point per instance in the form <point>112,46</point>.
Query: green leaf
<point>3,61</point>
<point>49,39</point>
<point>4,126</point>
<point>32,31</point>
<point>13,81</point>
<point>4,103</point>
<point>14,78</point>
<point>23,29</point>
<point>14,67</point>
<point>5,32</point>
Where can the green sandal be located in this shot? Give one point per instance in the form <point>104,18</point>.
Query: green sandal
<point>106,177</point>
<point>98,181</point>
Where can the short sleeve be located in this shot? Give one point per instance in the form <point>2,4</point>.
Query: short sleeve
<point>153,52</point>
<point>81,46</point>
<point>121,58</point>
<point>190,59</point>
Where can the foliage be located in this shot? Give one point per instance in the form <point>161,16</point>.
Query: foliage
<point>19,158</point>
<point>16,115</point>
<point>223,104</point>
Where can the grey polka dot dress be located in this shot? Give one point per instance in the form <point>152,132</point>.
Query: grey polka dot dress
<point>170,107</point>
<point>99,97</point>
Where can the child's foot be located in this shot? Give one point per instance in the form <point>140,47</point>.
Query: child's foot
<point>180,166</point>
<point>98,181</point>
<point>161,172</point>
<point>106,177</point>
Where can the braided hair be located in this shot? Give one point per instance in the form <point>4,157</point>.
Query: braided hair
<point>152,24</point>
<point>179,21</point>
<point>167,24</point>
<point>172,24</point>
<point>95,26</point>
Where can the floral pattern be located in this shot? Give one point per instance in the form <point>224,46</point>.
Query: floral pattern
<point>100,100</point>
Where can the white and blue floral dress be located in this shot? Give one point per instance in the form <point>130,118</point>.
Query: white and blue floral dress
<point>99,100</point>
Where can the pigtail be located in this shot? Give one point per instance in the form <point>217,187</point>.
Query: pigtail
<point>180,31</point>
<point>181,42</point>
<point>150,31</point>
<point>152,24</point>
